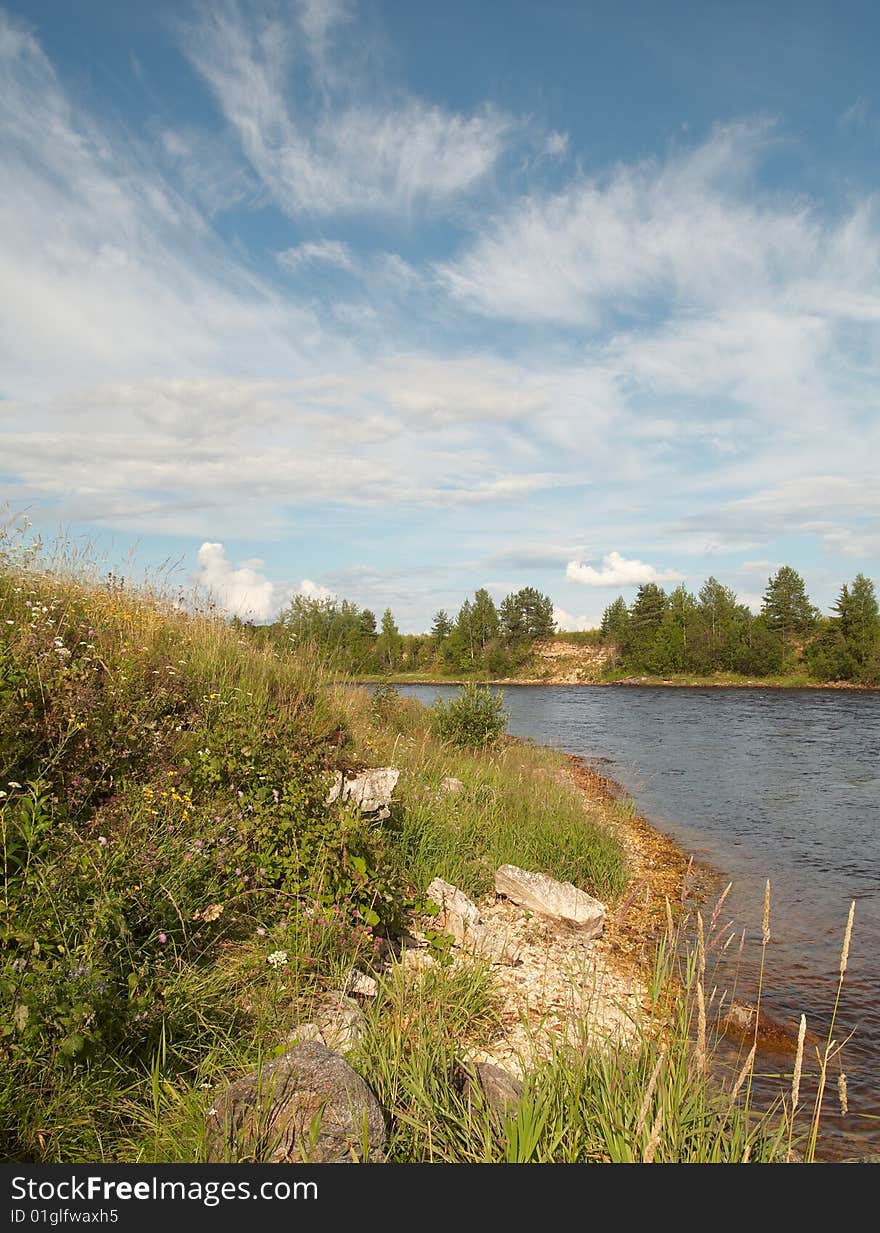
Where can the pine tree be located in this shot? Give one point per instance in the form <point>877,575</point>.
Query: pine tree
<point>786,606</point>
<point>526,616</point>
<point>615,621</point>
<point>857,616</point>
<point>441,627</point>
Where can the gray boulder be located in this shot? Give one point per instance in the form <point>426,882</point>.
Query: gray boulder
<point>307,1107</point>
<point>499,1089</point>
<point>558,901</point>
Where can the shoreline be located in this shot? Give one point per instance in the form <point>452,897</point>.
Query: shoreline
<point>625,683</point>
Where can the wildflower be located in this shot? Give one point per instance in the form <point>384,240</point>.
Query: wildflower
<point>102,840</point>
<point>197,843</point>
<point>163,938</point>
<point>278,959</point>
<point>261,933</point>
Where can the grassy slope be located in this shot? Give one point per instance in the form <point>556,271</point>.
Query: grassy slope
<point>164,832</point>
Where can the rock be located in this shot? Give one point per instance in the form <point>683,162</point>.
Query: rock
<point>307,1107</point>
<point>560,901</point>
<point>460,916</point>
<point>499,1089</point>
<point>370,791</point>
<point>359,982</point>
<point>305,1031</point>
<point>341,1022</point>
<point>335,788</point>
<point>451,785</point>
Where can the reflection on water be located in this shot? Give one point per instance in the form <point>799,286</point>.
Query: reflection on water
<point>778,784</point>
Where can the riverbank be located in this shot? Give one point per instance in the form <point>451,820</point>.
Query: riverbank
<point>183,900</point>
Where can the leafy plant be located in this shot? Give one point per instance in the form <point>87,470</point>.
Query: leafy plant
<point>475,718</point>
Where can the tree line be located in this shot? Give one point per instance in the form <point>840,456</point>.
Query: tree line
<point>659,633</point>
<point>662,633</point>
<point>483,638</point>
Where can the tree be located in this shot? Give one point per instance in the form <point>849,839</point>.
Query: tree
<point>786,606</point>
<point>526,616</point>
<point>484,619</point>
<point>441,627</point>
<point>857,615</point>
<point>389,642</point>
<point>723,622</point>
<point>615,621</point>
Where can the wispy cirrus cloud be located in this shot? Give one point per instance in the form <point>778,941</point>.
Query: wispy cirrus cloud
<point>335,153</point>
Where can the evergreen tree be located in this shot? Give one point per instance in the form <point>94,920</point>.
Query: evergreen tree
<point>786,606</point>
<point>615,621</point>
<point>441,627</point>
<point>645,618</point>
<point>722,627</point>
<point>527,615</point>
<point>857,614</point>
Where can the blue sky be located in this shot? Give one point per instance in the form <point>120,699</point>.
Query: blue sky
<point>397,300</point>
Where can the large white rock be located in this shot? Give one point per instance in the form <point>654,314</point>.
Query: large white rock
<point>560,901</point>
<point>460,916</point>
<point>370,791</point>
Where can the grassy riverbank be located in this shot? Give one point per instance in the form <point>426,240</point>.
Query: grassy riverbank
<point>165,834</point>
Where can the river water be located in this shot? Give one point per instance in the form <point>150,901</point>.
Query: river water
<point>759,783</point>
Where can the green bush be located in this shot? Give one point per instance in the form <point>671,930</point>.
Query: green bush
<point>475,718</point>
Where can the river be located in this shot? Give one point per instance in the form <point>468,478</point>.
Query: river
<point>759,783</point>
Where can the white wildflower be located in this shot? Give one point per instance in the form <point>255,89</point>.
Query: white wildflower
<point>278,959</point>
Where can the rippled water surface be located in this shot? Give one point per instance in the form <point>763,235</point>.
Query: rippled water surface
<point>778,784</point>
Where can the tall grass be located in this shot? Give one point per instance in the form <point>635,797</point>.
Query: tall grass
<point>164,833</point>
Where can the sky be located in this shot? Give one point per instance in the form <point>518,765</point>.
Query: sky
<point>396,300</point>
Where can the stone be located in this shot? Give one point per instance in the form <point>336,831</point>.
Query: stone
<point>340,1020</point>
<point>305,1031</point>
<point>559,901</point>
<point>335,788</point>
<point>460,917</point>
<point>451,785</point>
<point>359,982</point>
<point>500,1090</point>
<point>370,791</point>
<point>306,1107</point>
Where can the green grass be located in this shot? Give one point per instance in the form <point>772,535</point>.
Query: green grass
<point>163,831</point>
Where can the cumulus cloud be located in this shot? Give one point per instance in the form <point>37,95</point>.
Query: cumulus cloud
<point>314,590</point>
<point>242,590</point>
<point>617,571</point>
<point>565,621</point>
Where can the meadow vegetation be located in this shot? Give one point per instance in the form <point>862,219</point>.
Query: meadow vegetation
<point>176,892</point>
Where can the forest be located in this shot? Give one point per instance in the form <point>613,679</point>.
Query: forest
<point>659,633</point>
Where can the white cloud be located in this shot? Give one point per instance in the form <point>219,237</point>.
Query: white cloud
<point>345,157</point>
<point>240,591</point>
<point>617,571</point>
<point>688,234</point>
<point>565,621</point>
<point>314,590</point>
<point>328,252</point>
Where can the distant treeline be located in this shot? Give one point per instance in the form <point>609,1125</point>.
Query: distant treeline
<point>484,638</point>
<point>660,633</point>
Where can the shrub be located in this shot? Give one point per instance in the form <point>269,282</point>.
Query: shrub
<point>475,718</point>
